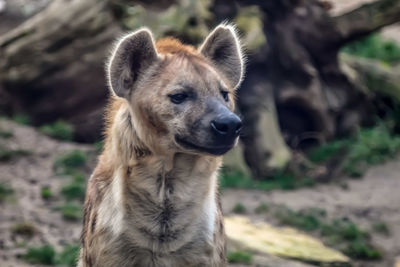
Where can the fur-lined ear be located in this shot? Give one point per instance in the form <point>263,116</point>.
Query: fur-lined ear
<point>223,49</point>
<point>132,56</point>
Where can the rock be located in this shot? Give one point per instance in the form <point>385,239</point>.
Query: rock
<point>283,242</point>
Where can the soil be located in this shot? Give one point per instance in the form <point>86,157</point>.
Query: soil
<point>26,175</point>
<point>366,201</point>
<point>374,198</point>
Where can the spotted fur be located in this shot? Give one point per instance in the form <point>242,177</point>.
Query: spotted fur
<point>150,202</point>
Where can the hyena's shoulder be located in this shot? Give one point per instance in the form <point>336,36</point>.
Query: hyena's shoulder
<point>97,187</point>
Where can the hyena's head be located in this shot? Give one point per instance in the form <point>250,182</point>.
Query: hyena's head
<point>181,98</point>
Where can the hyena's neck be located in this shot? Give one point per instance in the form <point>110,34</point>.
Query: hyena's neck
<point>123,145</point>
<point>167,201</point>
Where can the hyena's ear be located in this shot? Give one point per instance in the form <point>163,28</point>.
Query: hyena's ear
<point>132,56</point>
<point>222,47</point>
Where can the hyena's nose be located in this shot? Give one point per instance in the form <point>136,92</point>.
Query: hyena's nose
<point>227,126</point>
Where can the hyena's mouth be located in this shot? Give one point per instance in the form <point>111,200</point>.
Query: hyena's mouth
<point>217,150</point>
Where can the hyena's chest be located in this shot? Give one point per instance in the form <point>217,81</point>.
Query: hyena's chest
<point>146,219</point>
<point>164,213</point>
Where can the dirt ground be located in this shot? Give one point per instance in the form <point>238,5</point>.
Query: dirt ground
<point>374,198</point>
<point>365,201</point>
<point>27,175</point>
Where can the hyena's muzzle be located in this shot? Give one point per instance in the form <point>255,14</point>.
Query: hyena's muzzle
<point>215,132</point>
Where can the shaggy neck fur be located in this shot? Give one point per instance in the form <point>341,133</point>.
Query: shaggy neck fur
<point>178,190</point>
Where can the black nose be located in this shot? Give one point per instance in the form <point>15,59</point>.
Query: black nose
<point>227,126</point>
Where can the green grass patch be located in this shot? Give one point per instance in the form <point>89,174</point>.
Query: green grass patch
<point>47,255</point>
<point>98,146</point>
<point>10,154</point>
<point>46,192</point>
<point>375,47</point>
<point>235,179</point>
<point>350,239</point>
<point>368,147</point>
<point>343,230</point>
<point>6,134</point>
<point>240,257</point>
<point>239,209</point>
<point>381,228</point>
<point>341,234</point>
<point>71,211</point>
<point>60,130</point>
<point>69,256</point>
<point>79,177</point>
<point>24,229</point>
<point>5,191</point>
<point>329,150</point>
<point>261,208</point>
<point>22,119</point>
<point>362,250</point>
<point>42,255</point>
<point>76,189</point>
<point>299,219</point>
<point>68,163</point>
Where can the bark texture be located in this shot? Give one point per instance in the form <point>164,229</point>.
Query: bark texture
<point>300,68</point>
<point>52,65</point>
<point>373,77</point>
<point>367,19</point>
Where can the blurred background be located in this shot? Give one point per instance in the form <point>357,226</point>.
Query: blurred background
<point>315,179</point>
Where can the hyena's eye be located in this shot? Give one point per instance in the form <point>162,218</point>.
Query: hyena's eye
<point>178,98</point>
<point>225,95</point>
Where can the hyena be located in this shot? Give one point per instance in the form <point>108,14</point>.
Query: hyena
<point>153,198</point>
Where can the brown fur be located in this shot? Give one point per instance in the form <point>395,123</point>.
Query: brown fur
<point>171,45</point>
<point>150,202</point>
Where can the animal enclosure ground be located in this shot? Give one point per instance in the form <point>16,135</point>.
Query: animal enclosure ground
<point>371,203</point>
<point>34,197</point>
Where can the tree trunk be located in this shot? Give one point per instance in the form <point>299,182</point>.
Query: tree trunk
<point>52,65</point>
<point>265,150</point>
<point>373,77</point>
<point>315,99</point>
<point>366,19</point>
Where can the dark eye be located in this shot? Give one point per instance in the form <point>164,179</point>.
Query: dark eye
<point>225,95</point>
<point>178,98</point>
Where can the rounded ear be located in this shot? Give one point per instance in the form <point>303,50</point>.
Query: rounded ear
<point>222,47</point>
<point>132,55</point>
